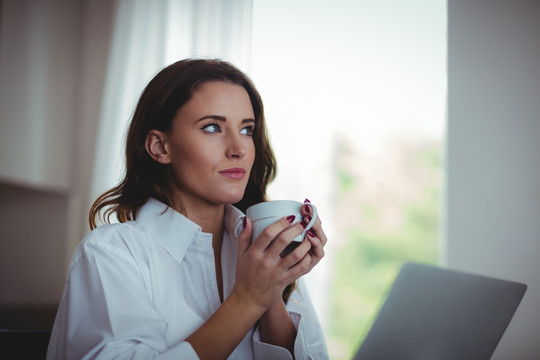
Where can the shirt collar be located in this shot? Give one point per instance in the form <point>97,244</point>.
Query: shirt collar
<point>234,220</point>
<point>175,232</point>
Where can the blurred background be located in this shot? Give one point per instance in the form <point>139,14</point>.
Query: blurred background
<point>414,123</point>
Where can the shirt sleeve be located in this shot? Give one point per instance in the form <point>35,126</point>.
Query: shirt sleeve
<point>309,342</point>
<point>106,312</point>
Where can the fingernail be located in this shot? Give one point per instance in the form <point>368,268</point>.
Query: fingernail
<point>304,224</point>
<point>244,222</point>
<point>306,207</point>
<point>310,233</point>
<point>309,218</point>
<point>291,218</point>
<point>307,201</point>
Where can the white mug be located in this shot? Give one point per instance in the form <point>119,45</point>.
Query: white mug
<point>266,213</point>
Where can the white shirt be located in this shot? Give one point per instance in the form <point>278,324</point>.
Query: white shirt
<point>138,289</point>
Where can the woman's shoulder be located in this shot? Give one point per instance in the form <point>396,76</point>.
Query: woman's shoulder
<point>116,233</point>
<point>115,229</point>
<point>118,239</point>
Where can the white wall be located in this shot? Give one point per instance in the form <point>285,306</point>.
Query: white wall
<point>53,57</point>
<point>493,208</point>
<point>37,71</point>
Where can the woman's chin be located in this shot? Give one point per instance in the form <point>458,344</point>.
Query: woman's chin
<point>231,198</point>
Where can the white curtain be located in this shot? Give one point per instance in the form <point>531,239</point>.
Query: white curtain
<point>148,35</point>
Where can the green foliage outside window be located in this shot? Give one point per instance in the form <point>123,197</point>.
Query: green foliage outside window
<point>388,211</point>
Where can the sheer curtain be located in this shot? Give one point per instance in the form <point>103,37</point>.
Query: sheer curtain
<point>148,36</point>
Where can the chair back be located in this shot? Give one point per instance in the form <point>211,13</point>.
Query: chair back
<point>24,344</point>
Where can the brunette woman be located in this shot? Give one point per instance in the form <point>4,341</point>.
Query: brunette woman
<point>178,275</point>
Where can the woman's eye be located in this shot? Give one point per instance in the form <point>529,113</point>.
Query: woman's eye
<point>211,128</point>
<point>248,130</point>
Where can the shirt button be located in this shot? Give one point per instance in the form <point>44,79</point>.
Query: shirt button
<point>199,241</point>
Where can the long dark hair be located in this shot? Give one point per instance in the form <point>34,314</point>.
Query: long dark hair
<point>164,95</point>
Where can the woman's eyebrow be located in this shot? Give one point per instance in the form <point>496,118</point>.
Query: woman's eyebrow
<point>222,118</point>
<point>213,117</point>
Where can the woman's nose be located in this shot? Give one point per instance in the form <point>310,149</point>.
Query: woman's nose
<point>236,148</point>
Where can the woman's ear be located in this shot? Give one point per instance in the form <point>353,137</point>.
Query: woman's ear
<point>156,146</point>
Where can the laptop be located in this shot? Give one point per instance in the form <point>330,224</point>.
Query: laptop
<point>437,314</point>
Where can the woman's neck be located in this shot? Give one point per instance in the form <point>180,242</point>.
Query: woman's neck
<point>210,217</point>
<point>211,221</point>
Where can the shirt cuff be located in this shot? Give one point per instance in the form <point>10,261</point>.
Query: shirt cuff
<point>265,351</point>
<point>182,350</point>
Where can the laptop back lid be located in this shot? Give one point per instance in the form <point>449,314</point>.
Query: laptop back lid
<point>434,313</point>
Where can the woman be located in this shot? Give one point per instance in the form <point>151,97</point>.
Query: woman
<point>179,276</point>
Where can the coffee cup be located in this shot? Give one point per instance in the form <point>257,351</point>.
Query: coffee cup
<point>266,213</point>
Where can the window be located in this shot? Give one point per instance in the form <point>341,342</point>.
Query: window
<point>355,96</point>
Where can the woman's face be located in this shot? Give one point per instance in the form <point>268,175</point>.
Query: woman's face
<point>210,145</point>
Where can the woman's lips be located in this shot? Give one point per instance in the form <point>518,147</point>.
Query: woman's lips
<point>234,173</point>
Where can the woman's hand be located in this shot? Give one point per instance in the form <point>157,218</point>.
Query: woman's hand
<point>261,273</point>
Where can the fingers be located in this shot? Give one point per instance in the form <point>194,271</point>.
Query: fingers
<point>244,239</point>
<point>307,210</point>
<point>297,255</point>
<point>317,239</point>
<point>316,230</point>
<point>261,273</point>
<point>317,248</point>
<point>279,232</point>
<point>276,237</point>
<point>315,235</point>
<point>284,239</point>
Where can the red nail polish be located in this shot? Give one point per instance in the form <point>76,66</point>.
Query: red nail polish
<point>307,201</point>
<point>304,224</point>
<point>244,222</point>
<point>306,207</point>
<point>291,218</point>
<point>310,233</point>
